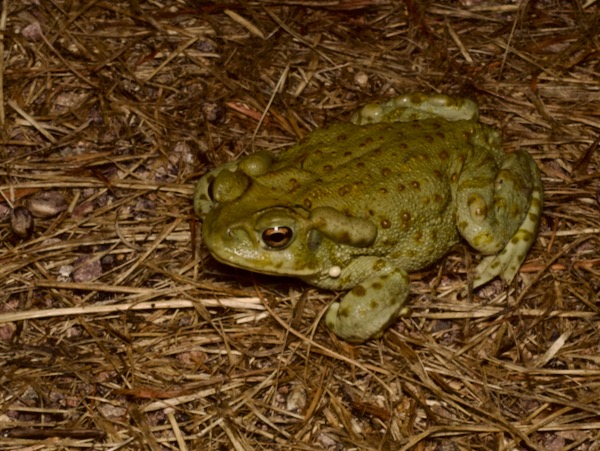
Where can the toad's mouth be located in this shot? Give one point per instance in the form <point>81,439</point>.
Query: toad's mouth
<point>262,264</point>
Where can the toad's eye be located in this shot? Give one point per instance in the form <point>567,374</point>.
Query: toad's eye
<point>277,237</point>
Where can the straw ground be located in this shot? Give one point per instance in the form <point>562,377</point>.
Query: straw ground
<point>119,331</point>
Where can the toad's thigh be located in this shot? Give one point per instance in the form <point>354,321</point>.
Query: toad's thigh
<point>491,206</point>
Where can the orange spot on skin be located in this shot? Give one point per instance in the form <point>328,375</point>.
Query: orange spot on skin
<point>359,291</point>
<point>405,217</point>
<point>345,190</point>
<point>366,142</point>
<point>378,265</point>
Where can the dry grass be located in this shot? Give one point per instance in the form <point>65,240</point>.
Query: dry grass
<point>118,331</point>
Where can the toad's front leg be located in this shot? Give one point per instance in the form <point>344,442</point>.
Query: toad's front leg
<point>371,305</point>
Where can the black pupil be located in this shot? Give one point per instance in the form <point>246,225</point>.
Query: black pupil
<point>277,236</point>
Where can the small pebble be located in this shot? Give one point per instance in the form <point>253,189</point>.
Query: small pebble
<point>47,204</point>
<point>21,222</point>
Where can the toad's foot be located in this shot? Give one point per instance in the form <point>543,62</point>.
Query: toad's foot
<point>371,306</point>
<point>507,262</point>
<point>417,107</point>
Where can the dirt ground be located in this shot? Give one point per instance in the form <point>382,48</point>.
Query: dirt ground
<point>118,331</point>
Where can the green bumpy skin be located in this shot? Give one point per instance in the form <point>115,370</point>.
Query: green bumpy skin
<point>357,206</point>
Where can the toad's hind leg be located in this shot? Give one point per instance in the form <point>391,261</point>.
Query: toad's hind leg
<point>505,230</point>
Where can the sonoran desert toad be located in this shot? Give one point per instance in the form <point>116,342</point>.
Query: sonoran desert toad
<point>357,206</point>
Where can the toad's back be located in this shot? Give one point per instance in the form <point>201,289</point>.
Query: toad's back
<point>401,176</point>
